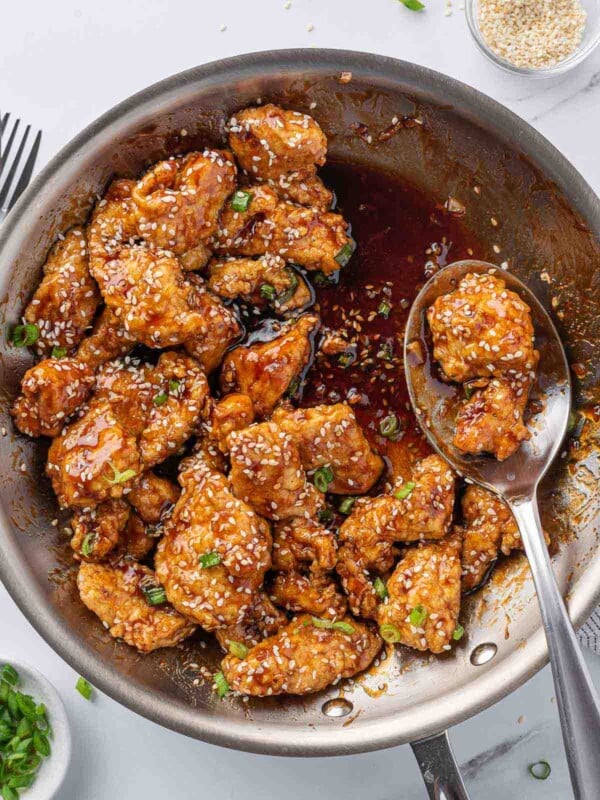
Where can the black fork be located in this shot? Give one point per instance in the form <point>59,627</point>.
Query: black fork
<point>9,168</point>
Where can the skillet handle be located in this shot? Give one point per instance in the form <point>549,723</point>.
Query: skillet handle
<point>439,768</point>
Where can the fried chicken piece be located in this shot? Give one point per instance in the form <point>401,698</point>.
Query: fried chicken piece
<point>232,413</point>
<point>137,540</point>
<point>491,420</point>
<point>93,460</point>
<point>299,542</point>
<point>129,387</point>
<point>267,474</point>
<point>111,226</point>
<point>315,593</point>
<point>269,142</point>
<point>354,574</point>
<point>222,331</point>
<point>426,582</point>
<point>177,202</point>
<point>152,496</point>
<point>66,300</point>
<point>302,658</point>
<point>96,531</point>
<point>265,370</point>
<point>331,436</point>
<point>263,281</point>
<point>108,340</point>
<point>114,593</point>
<point>51,392</point>
<point>260,620</point>
<point>236,233</point>
<point>481,329</point>
<point>215,551</point>
<point>305,188</point>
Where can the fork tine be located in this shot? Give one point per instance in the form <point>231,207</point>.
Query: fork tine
<point>4,155</point>
<point>27,170</point>
<point>3,122</point>
<point>13,168</point>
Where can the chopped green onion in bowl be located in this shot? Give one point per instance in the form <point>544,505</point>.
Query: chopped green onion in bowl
<point>84,688</point>
<point>540,770</point>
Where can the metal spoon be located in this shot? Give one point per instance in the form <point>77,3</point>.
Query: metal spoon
<point>515,481</point>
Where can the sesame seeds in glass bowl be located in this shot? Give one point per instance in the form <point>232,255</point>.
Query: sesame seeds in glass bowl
<point>536,38</point>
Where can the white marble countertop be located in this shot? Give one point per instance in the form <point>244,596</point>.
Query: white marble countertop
<point>64,63</point>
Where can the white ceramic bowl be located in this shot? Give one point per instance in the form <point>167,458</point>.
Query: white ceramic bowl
<point>52,770</point>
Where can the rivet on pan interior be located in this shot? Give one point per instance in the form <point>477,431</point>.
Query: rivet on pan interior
<point>338,707</point>
<point>483,653</point>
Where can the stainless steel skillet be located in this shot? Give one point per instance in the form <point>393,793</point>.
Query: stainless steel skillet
<point>467,147</point>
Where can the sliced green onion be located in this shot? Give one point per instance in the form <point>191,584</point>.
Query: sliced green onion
<point>345,507</point>
<point>389,426</point>
<point>84,688</point>
<point>153,592</point>
<point>342,626</point>
<point>160,399</point>
<point>418,615</point>
<point>208,560</point>
<point>384,309</point>
<point>59,352</point>
<point>87,545</point>
<point>267,292</point>
<point>288,293</point>
<point>10,675</point>
<point>468,390</point>
<point>404,491</point>
<point>346,359</point>
<point>120,477</point>
<point>459,632</point>
<point>241,200</point>
<point>390,633</point>
<point>320,279</point>
<point>322,478</point>
<point>329,624</point>
<point>174,385</point>
<point>385,352</point>
<point>325,515</point>
<point>413,5</point>
<point>25,335</point>
<point>238,649</point>
<point>345,254</point>
<point>540,770</point>
<point>221,684</point>
<point>380,588</point>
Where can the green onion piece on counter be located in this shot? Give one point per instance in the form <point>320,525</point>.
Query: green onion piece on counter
<point>84,688</point>
<point>153,592</point>
<point>322,478</point>
<point>345,254</point>
<point>120,477</point>
<point>540,770</point>
<point>384,309</point>
<point>238,649</point>
<point>345,507</point>
<point>267,292</point>
<point>389,426</point>
<point>59,352</point>
<point>380,588</point>
<point>459,632</point>
<point>404,491</point>
<point>174,385</point>
<point>325,515</point>
<point>241,200</point>
<point>160,399</point>
<point>418,615</point>
<point>87,545</point>
<point>207,560</point>
<point>389,633</point>
<point>221,684</point>
<point>413,5</point>
<point>25,335</point>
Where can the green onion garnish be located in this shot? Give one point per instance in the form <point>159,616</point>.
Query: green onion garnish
<point>322,478</point>
<point>120,477</point>
<point>540,770</point>
<point>344,627</point>
<point>390,633</point>
<point>458,633</point>
<point>330,625</point>
<point>25,335</point>
<point>404,491</point>
<point>346,359</point>
<point>59,352</point>
<point>345,507</point>
<point>221,684</point>
<point>238,649</point>
<point>320,279</point>
<point>10,675</point>
<point>413,5</point>
<point>241,200</point>
<point>380,588</point>
<point>345,254</point>
<point>267,292</point>
<point>389,426</point>
<point>208,560</point>
<point>288,293</point>
<point>153,592</point>
<point>84,688</point>
<point>384,309</point>
<point>418,615</point>
<point>160,399</point>
<point>385,352</point>
<point>174,385</point>
<point>87,545</point>
<point>325,515</point>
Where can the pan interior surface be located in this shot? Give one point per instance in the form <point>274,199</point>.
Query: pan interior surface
<point>524,206</point>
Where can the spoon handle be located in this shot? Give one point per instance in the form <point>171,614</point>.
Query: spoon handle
<point>578,702</point>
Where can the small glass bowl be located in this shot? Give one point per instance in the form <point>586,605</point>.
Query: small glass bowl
<point>589,42</point>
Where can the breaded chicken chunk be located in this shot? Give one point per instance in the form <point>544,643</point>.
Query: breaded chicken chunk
<point>215,551</point>
<point>51,392</point>
<point>231,413</point>
<point>116,595</point>
<point>261,619</point>
<point>137,539</point>
<point>96,531</point>
<point>481,329</point>
<point>223,330</point>
<point>424,597</point>
<point>111,226</point>
<point>152,496</point>
<point>331,436</point>
<point>94,459</point>
<point>303,658</point>
<point>107,340</point>
<point>177,202</point>
<point>265,370</point>
<point>315,593</point>
<point>301,542</point>
<point>66,300</point>
<point>267,474</point>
